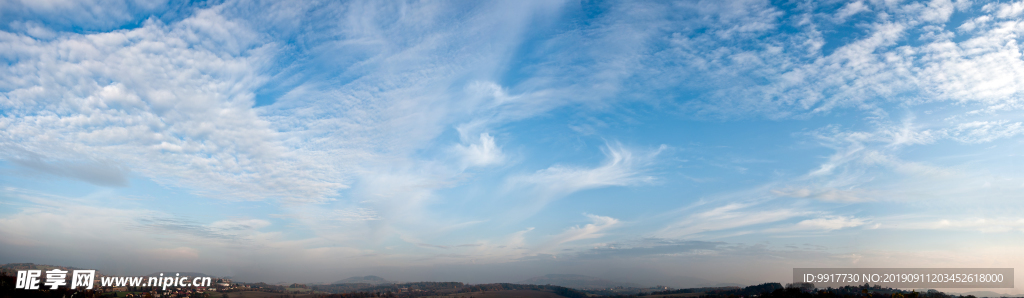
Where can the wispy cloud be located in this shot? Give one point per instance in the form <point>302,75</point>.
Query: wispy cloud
<point>622,167</point>
<point>828,195</point>
<point>829,223</point>
<point>727,217</point>
<point>994,224</point>
<point>589,231</point>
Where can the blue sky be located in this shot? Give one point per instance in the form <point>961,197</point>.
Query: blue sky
<point>658,143</point>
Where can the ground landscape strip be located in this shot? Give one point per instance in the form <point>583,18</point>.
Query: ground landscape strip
<point>224,288</point>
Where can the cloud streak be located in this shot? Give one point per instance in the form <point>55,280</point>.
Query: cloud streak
<point>622,167</point>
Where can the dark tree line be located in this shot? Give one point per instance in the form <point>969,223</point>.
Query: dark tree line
<point>561,291</point>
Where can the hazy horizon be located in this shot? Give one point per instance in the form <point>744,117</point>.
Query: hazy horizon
<point>653,143</point>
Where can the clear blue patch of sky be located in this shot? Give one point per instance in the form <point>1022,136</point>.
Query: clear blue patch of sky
<point>69,17</point>
<point>854,28</point>
<point>536,48</point>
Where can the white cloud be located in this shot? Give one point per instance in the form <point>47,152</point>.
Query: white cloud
<point>937,11</point>
<point>481,153</point>
<point>161,100</point>
<point>593,230</point>
<point>1005,10</point>
<point>974,23</point>
<point>588,231</point>
<point>788,75</point>
<point>985,131</point>
<point>849,10</point>
<point>994,224</point>
<point>830,223</point>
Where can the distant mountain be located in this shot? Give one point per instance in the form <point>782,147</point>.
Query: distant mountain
<point>722,285</point>
<point>577,281</point>
<point>31,266</point>
<point>369,279</point>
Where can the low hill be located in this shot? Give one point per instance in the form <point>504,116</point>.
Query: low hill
<point>723,285</point>
<point>369,279</point>
<point>577,281</point>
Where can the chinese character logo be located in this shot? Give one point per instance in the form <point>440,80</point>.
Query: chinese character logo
<point>83,278</point>
<point>56,278</point>
<point>28,279</point>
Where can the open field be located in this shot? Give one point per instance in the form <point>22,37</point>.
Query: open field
<point>256,294</point>
<point>502,294</point>
<point>680,295</point>
<point>298,290</point>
